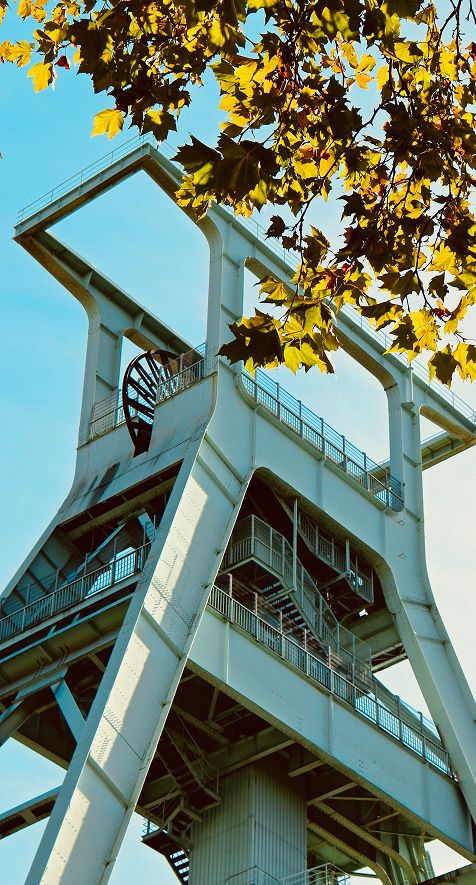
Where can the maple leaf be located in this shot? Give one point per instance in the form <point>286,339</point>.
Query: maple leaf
<point>295,134</point>
<point>42,75</point>
<point>109,121</point>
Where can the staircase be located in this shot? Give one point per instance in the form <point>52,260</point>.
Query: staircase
<point>296,595</point>
<point>196,790</point>
<point>284,604</point>
<point>167,845</point>
<point>351,568</point>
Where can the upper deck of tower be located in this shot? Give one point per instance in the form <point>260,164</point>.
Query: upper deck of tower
<point>455,417</point>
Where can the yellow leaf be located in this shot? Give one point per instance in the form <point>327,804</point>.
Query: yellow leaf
<point>21,53</point>
<point>366,63</point>
<point>6,50</point>
<point>220,33</point>
<point>42,75</point>
<point>382,76</point>
<point>444,259</point>
<point>363,80</point>
<point>24,8</point>
<point>38,12</point>
<point>259,194</point>
<point>465,357</point>
<point>108,122</point>
<point>447,64</point>
<point>262,4</point>
<point>326,162</point>
<point>306,169</point>
<point>350,55</point>
<point>425,329</point>
<point>292,357</point>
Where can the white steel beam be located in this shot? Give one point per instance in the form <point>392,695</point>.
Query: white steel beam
<point>118,741</point>
<point>69,708</point>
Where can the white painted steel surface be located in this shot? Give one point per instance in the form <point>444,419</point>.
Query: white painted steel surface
<point>107,771</point>
<point>259,826</point>
<point>321,722</point>
<point>222,434</point>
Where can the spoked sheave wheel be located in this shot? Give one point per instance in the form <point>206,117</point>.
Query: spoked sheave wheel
<point>142,379</point>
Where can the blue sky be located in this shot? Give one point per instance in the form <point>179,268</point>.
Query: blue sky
<point>137,237</point>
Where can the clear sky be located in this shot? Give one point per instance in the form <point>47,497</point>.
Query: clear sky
<point>137,237</point>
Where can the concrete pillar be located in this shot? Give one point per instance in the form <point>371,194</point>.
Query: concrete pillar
<point>257,835</point>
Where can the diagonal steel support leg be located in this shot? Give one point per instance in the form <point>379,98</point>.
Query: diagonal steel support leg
<point>12,719</point>
<point>120,735</point>
<point>69,708</point>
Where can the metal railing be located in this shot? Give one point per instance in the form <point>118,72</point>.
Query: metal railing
<point>254,538</point>
<point>108,413</point>
<point>85,175</point>
<point>374,478</point>
<point>204,773</point>
<point>353,693</point>
<point>121,567</point>
<point>290,257</point>
<point>358,572</point>
<point>325,874</point>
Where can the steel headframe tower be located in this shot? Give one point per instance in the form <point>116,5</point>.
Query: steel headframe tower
<point>185,638</point>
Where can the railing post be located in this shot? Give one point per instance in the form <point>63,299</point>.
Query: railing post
<point>83,579</point>
<point>423,740</point>
<point>278,403</point>
<point>377,713</point>
<point>113,564</point>
<point>295,528</point>
<point>400,724</point>
<point>347,555</point>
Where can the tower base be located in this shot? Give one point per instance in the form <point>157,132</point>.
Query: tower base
<point>257,835</point>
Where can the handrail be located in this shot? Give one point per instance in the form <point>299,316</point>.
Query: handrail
<point>324,874</point>
<point>291,258</point>
<point>108,413</point>
<point>121,567</point>
<point>333,445</point>
<point>349,692</point>
<point>333,552</point>
<point>204,773</point>
<point>254,538</point>
<point>265,608</point>
<point>125,565</point>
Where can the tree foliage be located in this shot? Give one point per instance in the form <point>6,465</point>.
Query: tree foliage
<point>371,102</point>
